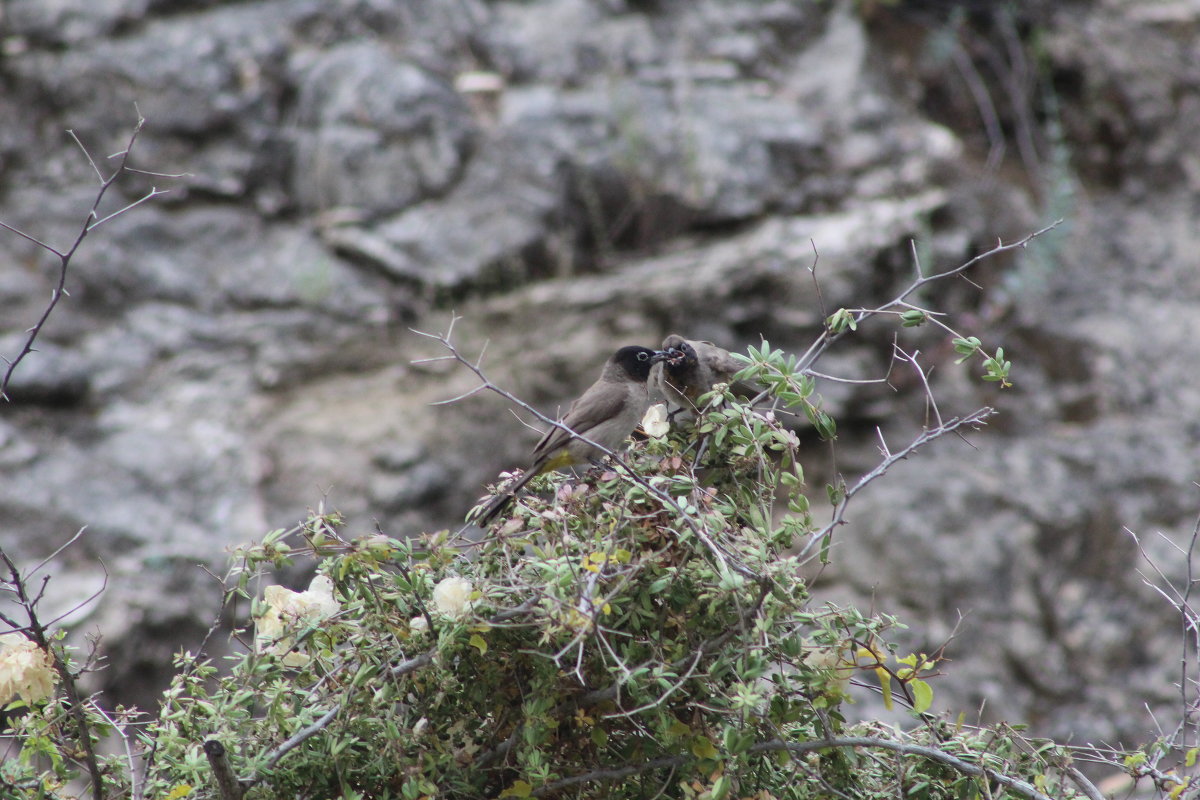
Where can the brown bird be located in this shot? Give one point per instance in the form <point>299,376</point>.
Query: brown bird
<point>691,368</point>
<point>605,414</point>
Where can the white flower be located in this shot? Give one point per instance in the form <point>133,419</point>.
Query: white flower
<point>25,669</point>
<point>288,610</point>
<point>452,596</point>
<point>418,625</point>
<point>655,422</point>
<point>836,659</point>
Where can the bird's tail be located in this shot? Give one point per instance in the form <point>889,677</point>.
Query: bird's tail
<point>492,508</point>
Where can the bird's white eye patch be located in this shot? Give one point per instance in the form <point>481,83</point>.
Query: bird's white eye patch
<point>643,355</point>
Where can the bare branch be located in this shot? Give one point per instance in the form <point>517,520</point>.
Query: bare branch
<point>135,789</point>
<point>92,221</point>
<point>154,192</point>
<point>972,420</point>
<point>1087,787</point>
<point>924,378</point>
<point>55,554</point>
<point>33,239</point>
<point>823,342</point>
<point>836,379</point>
<point>152,174</point>
<point>88,155</point>
<point>481,387</point>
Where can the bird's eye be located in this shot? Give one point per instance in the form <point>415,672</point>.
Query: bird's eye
<point>643,355</point>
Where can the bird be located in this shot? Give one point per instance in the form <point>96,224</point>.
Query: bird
<point>691,368</point>
<point>605,414</point>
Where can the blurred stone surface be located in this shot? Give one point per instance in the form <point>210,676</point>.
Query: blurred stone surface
<point>238,351</point>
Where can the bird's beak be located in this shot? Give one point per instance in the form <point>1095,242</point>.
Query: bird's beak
<point>660,355</point>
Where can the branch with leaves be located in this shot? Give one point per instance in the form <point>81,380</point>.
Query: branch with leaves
<point>31,682</point>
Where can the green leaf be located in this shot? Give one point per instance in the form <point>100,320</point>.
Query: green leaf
<point>966,346</point>
<point>885,683</point>
<point>840,320</point>
<point>599,736</point>
<point>922,695</point>
<point>518,789</point>
<point>702,747</point>
<point>826,543</point>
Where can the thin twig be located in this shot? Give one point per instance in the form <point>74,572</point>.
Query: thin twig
<point>929,397</point>
<point>973,420</point>
<point>827,338</point>
<point>55,554</point>
<point>154,192</point>
<point>90,223</point>
<point>662,697</point>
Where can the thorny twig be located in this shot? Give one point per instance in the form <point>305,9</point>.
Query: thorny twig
<point>1184,736</point>
<point>972,420</point>
<point>90,223</point>
<point>828,337</point>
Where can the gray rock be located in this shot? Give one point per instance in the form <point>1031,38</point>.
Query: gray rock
<point>64,22</point>
<point>500,200</point>
<point>51,377</point>
<point>375,132</point>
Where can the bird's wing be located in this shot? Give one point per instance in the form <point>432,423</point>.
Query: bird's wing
<point>588,411</point>
<point>722,364</point>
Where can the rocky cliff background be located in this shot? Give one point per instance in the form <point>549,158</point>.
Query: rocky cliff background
<point>570,175</point>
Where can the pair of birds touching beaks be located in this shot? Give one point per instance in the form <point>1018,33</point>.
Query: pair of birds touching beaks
<point>611,408</point>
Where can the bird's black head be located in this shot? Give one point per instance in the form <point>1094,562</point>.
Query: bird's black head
<point>636,361</point>
<point>680,355</point>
